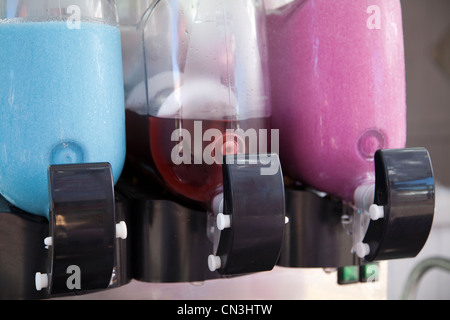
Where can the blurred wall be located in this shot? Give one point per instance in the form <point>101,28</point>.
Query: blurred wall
<point>426,23</point>
<point>426,28</point>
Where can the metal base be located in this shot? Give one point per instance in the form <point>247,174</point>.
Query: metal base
<point>317,233</point>
<point>169,239</point>
<point>22,252</point>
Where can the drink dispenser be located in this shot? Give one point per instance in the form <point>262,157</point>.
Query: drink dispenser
<point>199,118</point>
<point>62,127</point>
<point>338,88</point>
<point>61,94</point>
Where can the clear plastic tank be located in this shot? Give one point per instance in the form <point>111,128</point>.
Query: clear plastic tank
<point>198,84</point>
<point>61,93</point>
<point>338,88</point>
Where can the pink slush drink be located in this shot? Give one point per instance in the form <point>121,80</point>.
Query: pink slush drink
<point>338,87</point>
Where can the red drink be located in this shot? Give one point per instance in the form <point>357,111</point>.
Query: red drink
<point>184,151</point>
<point>196,177</point>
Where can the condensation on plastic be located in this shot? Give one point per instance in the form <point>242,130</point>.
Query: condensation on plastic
<point>202,60</point>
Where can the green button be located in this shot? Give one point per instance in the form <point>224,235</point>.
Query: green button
<point>369,272</point>
<point>348,275</point>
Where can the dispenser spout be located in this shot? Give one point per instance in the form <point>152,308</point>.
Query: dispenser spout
<point>394,215</point>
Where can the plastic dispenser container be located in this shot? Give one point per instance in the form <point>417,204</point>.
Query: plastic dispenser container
<point>339,92</point>
<point>338,88</point>
<point>62,140</point>
<point>61,94</point>
<point>198,109</point>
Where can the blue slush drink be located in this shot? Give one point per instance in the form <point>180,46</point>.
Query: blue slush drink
<point>61,102</point>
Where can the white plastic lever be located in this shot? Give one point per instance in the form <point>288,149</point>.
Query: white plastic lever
<point>41,281</point>
<point>223,221</point>
<point>48,242</point>
<point>376,212</point>
<point>362,249</point>
<point>214,263</point>
<point>121,230</point>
